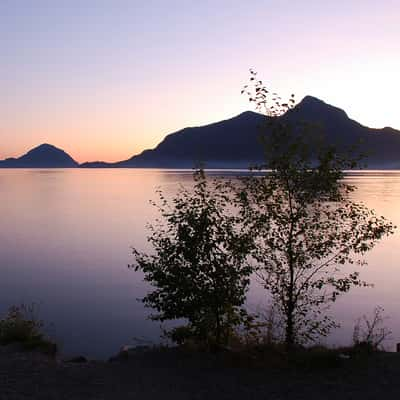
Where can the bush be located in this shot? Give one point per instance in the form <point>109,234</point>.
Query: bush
<point>23,327</point>
<point>370,333</point>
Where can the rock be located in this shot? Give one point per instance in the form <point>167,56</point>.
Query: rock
<point>129,351</point>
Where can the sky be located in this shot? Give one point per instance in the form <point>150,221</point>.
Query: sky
<point>106,79</point>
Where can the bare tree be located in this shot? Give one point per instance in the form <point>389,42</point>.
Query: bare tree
<point>371,331</point>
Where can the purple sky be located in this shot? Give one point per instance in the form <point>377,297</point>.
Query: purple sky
<point>106,79</point>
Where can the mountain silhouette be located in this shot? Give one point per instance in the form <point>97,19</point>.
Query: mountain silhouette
<point>229,143</point>
<point>43,156</point>
<point>235,142</point>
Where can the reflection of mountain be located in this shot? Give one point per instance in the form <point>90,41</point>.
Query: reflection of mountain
<point>43,156</point>
<point>235,142</point>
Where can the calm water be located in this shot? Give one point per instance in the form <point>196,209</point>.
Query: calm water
<point>65,241</point>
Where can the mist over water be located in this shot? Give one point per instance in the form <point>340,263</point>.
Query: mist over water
<point>65,239</point>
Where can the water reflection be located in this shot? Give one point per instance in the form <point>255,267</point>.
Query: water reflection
<point>65,242</point>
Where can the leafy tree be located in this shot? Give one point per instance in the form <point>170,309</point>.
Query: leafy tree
<point>307,230</point>
<point>198,269</point>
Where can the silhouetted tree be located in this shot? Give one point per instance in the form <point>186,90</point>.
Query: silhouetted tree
<point>198,268</point>
<point>306,228</point>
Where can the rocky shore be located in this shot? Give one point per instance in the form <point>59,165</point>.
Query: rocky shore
<point>181,375</point>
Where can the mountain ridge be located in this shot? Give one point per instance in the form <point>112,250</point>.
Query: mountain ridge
<point>234,143</point>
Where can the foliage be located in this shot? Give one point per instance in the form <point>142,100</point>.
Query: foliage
<point>371,333</point>
<point>306,228</point>
<point>198,269</point>
<point>23,327</point>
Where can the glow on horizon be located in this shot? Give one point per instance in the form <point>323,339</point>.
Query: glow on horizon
<point>105,80</point>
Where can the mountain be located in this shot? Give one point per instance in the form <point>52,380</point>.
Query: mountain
<point>43,156</point>
<point>227,143</point>
<point>230,143</point>
<point>234,143</point>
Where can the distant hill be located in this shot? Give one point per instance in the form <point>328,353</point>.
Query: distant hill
<point>234,143</point>
<point>43,156</point>
<point>229,143</point>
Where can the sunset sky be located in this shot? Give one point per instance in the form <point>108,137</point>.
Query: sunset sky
<point>105,79</point>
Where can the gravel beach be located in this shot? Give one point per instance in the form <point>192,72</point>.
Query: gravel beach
<point>172,375</point>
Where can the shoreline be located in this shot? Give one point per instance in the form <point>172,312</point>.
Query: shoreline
<point>189,375</point>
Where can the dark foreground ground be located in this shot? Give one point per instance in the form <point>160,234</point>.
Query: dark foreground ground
<point>171,375</point>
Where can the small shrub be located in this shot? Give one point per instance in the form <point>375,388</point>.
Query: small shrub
<point>23,327</point>
<point>370,333</point>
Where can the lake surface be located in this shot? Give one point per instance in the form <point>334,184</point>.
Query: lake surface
<point>65,239</point>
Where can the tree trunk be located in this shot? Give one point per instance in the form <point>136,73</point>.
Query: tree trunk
<point>289,334</point>
<point>218,330</point>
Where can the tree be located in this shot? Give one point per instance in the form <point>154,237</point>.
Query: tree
<point>198,269</point>
<point>306,228</point>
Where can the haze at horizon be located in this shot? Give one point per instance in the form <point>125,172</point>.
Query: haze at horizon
<point>107,79</point>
